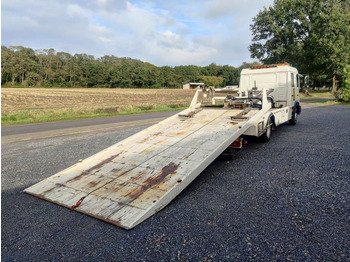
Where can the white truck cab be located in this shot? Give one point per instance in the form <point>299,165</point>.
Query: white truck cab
<point>282,78</point>
<point>282,84</point>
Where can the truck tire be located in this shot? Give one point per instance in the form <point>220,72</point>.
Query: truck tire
<point>296,112</point>
<point>293,120</point>
<point>267,135</point>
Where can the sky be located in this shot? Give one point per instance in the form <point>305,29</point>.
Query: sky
<point>168,32</point>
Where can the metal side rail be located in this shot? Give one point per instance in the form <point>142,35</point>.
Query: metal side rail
<point>135,178</point>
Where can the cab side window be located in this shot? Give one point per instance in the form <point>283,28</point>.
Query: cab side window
<point>298,81</point>
<point>292,78</point>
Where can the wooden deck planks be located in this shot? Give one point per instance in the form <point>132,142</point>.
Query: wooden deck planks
<point>133,179</point>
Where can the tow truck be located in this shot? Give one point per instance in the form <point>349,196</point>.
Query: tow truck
<point>133,179</point>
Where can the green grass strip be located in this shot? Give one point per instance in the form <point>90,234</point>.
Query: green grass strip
<point>314,94</point>
<point>49,115</point>
<point>330,102</point>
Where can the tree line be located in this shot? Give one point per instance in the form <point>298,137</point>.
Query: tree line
<point>23,66</point>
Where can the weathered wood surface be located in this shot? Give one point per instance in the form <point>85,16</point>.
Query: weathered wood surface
<point>135,178</point>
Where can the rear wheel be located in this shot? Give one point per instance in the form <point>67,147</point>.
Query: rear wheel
<point>296,112</point>
<point>267,135</point>
<point>293,120</point>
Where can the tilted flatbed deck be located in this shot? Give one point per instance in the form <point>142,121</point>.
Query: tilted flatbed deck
<point>135,178</point>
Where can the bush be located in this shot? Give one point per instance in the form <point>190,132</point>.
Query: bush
<point>345,89</point>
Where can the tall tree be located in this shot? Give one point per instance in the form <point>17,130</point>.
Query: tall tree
<point>6,74</point>
<point>23,61</point>
<point>229,74</point>
<point>313,35</point>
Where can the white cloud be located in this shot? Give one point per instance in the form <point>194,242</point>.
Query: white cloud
<point>160,32</point>
<point>172,40</point>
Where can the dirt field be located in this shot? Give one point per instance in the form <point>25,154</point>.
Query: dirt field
<point>14,99</point>
<point>30,105</point>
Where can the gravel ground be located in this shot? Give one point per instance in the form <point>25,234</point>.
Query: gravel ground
<point>288,199</point>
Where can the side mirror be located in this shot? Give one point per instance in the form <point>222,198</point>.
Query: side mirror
<point>307,81</point>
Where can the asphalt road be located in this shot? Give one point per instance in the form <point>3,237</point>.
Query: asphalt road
<point>33,128</point>
<point>18,133</point>
<point>288,199</point>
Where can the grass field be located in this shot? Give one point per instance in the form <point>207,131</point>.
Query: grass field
<point>321,98</point>
<point>30,105</point>
<point>317,94</point>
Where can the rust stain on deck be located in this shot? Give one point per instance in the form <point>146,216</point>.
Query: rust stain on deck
<point>97,166</point>
<point>204,121</point>
<point>181,133</point>
<point>76,178</point>
<point>171,168</point>
<point>188,155</point>
<point>134,194</point>
<point>150,182</point>
<point>144,140</point>
<point>101,164</point>
<point>57,186</point>
<point>93,183</point>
